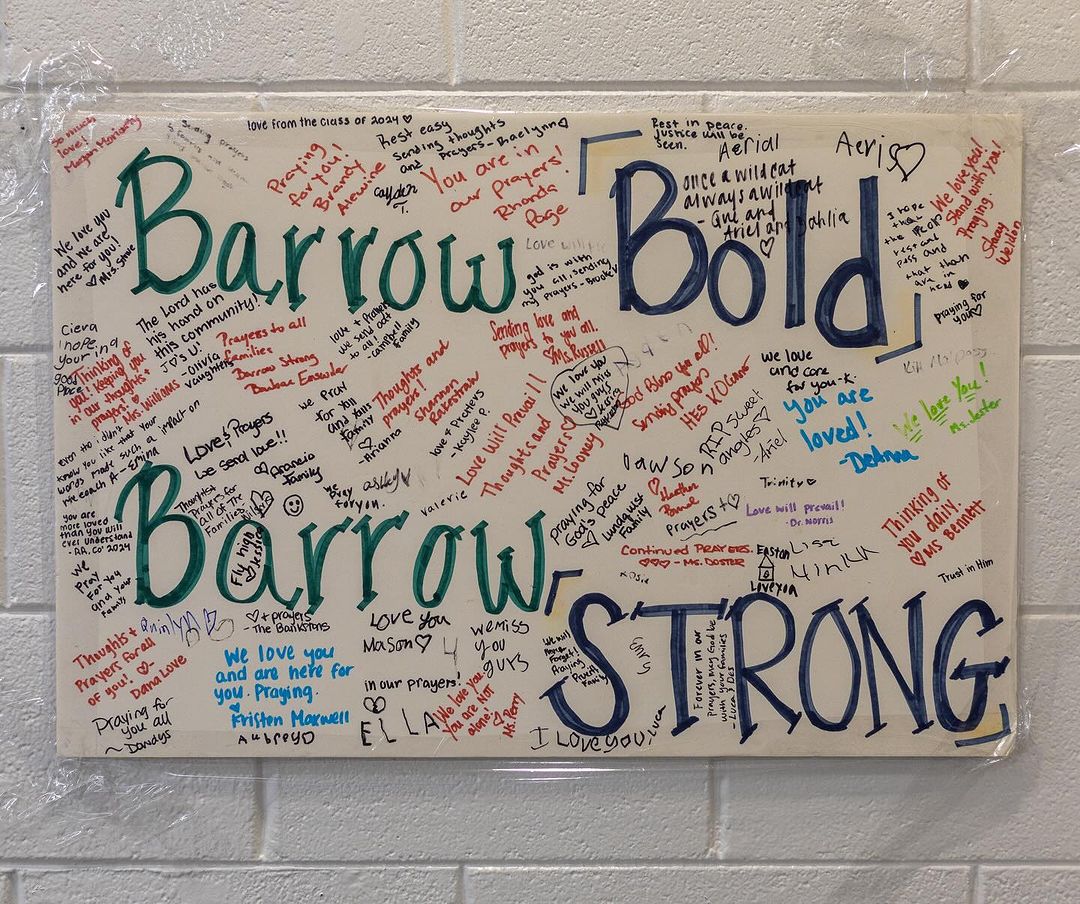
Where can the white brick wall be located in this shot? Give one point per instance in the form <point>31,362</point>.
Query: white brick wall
<point>841,831</point>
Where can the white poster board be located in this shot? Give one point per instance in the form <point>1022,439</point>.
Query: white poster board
<point>457,434</point>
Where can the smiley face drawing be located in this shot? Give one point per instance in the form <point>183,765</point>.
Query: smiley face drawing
<point>293,505</point>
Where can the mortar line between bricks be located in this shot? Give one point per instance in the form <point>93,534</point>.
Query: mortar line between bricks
<point>969,50</point>
<point>5,514</point>
<point>975,890</point>
<point>710,816</point>
<point>821,89</point>
<point>346,86</point>
<point>187,864</point>
<point>453,44</point>
<point>784,86</point>
<point>262,809</point>
<point>37,348</point>
<point>271,791</point>
<point>460,884</point>
<point>17,887</point>
<point>1025,87</point>
<point>1050,351</point>
<point>722,796</point>
<point>1056,611</point>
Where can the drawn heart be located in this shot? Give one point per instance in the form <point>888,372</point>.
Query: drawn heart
<point>235,707</point>
<point>976,310</point>
<point>909,153</point>
<point>423,641</point>
<point>601,402</point>
<point>261,500</point>
<point>810,481</point>
<point>375,705</point>
<point>963,283</point>
<point>143,668</point>
<point>406,118</point>
<point>253,617</point>
<point>767,245</point>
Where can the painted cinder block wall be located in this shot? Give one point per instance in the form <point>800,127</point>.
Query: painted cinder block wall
<point>74,832</point>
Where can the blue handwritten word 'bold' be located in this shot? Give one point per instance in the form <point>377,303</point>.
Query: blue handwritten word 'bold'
<point>704,272</point>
